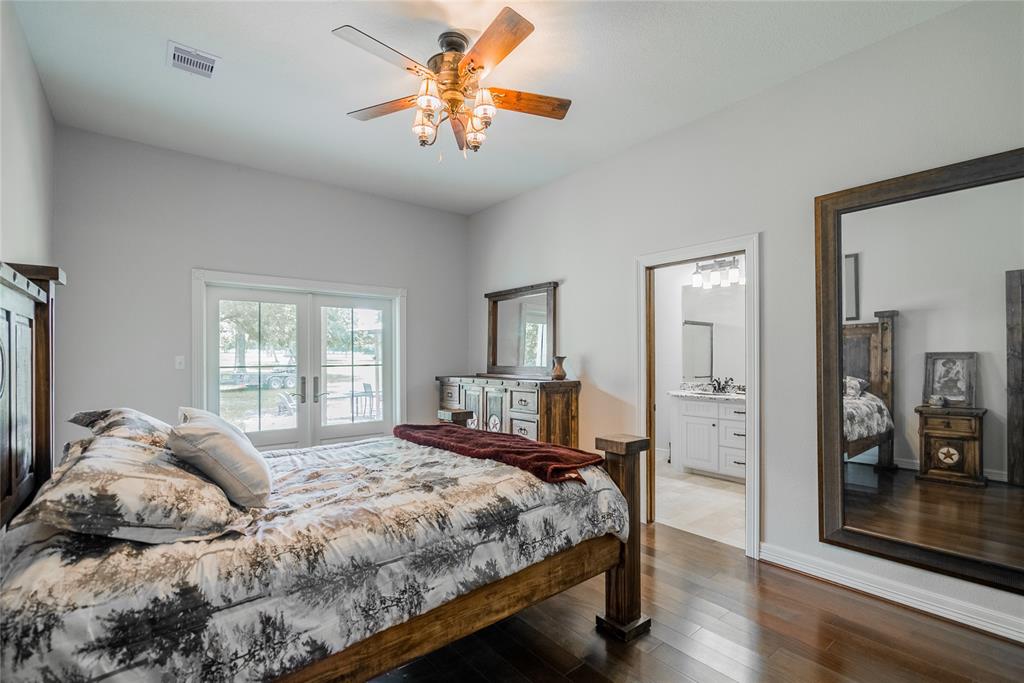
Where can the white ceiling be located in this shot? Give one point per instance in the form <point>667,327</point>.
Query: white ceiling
<point>279,96</point>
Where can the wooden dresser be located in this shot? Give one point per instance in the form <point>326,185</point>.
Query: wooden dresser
<point>537,408</point>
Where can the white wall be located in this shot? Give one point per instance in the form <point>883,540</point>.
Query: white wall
<point>676,301</point>
<point>941,262</point>
<point>131,221</point>
<point>947,90</point>
<point>26,156</point>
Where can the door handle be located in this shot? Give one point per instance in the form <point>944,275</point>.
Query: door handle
<point>316,389</point>
<point>738,434</point>
<point>302,390</point>
<point>738,462</point>
<point>740,412</point>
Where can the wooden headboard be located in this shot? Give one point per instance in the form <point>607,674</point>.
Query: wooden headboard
<point>868,354</point>
<point>26,387</point>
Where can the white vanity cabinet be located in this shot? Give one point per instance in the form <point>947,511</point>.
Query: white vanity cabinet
<point>708,434</point>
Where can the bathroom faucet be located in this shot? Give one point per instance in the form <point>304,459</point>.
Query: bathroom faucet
<point>722,386</point>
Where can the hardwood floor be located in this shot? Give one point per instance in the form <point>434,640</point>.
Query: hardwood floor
<point>721,617</point>
<point>987,523</point>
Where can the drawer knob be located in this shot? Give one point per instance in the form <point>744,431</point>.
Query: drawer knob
<point>947,424</point>
<point>523,402</point>
<point>524,431</point>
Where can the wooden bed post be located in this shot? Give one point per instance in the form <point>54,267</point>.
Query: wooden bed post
<point>887,372</point>
<point>622,618</point>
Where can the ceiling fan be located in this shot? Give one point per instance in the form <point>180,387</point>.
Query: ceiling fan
<point>450,87</point>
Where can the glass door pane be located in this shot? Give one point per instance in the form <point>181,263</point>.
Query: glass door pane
<point>354,367</point>
<point>256,373</point>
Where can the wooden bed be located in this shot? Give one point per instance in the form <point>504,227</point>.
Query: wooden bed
<point>868,354</point>
<point>620,562</point>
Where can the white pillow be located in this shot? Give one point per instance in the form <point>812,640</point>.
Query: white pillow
<point>224,453</point>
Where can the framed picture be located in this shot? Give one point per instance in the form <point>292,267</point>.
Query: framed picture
<point>851,287</point>
<point>951,375</point>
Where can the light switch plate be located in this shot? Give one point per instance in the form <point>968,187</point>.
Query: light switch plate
<point>179,362</point>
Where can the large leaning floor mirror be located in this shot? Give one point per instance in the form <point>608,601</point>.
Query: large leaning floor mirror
<point>921,369</point>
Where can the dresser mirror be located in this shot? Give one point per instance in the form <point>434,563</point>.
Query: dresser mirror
<point>921,370</point>
<point>521,330</point>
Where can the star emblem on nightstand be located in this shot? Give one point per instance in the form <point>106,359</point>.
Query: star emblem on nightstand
<point>948,455</point>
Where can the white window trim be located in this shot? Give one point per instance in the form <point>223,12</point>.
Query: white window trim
<point>203,278</point>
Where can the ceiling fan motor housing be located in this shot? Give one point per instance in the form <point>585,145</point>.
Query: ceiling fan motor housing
<point>454,88</point>
<point>453,41</point>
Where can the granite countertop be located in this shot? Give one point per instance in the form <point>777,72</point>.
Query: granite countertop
<point>731,397</point>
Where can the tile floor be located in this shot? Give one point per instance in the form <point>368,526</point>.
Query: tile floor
<point>706,506</point>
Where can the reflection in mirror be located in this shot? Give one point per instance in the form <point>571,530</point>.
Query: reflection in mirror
<point>522,331</point>
<point>924,392</point>
<point>698,350</point>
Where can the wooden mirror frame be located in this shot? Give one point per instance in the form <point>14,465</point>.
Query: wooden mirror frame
<point>828,212</point>
<point>493,298</point>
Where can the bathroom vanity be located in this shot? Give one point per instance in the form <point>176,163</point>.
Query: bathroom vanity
<point>708,432</point>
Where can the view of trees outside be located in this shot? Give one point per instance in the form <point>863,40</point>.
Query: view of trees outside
<point>258,364</point>
<point>534,353</point>
<point>351,364</point>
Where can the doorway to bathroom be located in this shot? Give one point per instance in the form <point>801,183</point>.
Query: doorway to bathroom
<point>699,372</point>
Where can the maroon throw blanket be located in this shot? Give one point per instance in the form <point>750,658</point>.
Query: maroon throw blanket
<point>544,460</point>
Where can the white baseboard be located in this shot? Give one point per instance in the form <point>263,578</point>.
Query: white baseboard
<point>1000,623</point>
<point>661,454</point>
<point>911,464</point>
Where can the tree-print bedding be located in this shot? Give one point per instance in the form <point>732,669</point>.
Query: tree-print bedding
<point>357,538</point>
<point>864,416</point>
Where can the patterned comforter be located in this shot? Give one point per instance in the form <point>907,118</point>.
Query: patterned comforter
<point>357,538</point>
<point>864,416</point>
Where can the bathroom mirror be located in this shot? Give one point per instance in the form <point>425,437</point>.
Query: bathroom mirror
<point>921,370</point>
<point>521,330</point>
<point>698,350</point>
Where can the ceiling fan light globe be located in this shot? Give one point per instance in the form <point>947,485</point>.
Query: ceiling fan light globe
<point>423,126</point>
<point>483,106</point>
<point>474,139</point>
<point>429,99</point>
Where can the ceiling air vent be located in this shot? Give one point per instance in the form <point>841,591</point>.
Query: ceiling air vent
<point>190,60</point>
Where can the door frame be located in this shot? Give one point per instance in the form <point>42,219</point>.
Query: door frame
<point>645,266</point>
<point>203,278</point>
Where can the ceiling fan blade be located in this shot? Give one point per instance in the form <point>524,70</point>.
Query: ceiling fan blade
<point>459,128</point>
<point>499,39</point>
<point>385,52</point>
<point>384,108</point>
<point>530,103</point>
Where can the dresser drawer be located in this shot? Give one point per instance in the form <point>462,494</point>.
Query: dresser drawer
<point>732,462</point>
<point>949,424</point>
<point>732,411</point>
<point>732,434</point>
<point>451,396</point>
<point>700,408</point>
<point>527,428</point>
<point>524,401</point>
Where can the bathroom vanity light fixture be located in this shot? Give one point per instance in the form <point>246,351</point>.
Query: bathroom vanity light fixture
<point>721,272</point>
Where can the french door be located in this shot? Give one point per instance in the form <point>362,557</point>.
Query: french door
<point>295,369</point>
